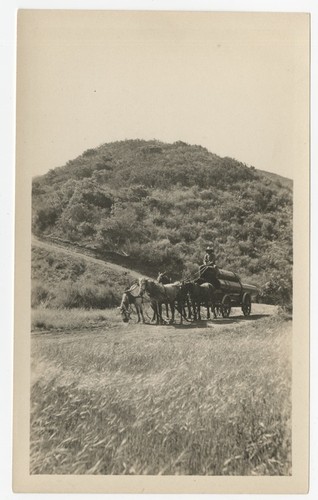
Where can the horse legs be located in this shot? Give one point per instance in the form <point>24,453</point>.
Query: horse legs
<point>155,316</point>
<point>189,308</point>
<point>207,311</point>
<point>181,311</point>
<point>179,307</point>
<point>192,301</point>
<point>186,310</point>
<point>167,310</point>
<point>140,314</point>
<point>199,310</point>
<point>172,311</point>
<point>159,314</point>
<point>195,311</point>
<point>155,313</point>
<point>214,310</point>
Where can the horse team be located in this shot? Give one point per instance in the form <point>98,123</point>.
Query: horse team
<point>185,297</point>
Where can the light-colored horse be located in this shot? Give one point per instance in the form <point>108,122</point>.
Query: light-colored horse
<point>182,299</point>
<point>160,294</point>
<point>130,297</point>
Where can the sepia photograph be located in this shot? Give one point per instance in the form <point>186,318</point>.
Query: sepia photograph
<point>162,239</point>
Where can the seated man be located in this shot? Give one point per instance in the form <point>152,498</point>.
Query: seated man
<point>209,258</point>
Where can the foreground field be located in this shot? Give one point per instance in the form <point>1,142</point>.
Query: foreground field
<point>212,398</point>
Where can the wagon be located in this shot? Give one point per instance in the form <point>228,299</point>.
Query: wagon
<point>229,291</point>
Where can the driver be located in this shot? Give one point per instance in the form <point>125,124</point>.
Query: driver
<point>209,258</point>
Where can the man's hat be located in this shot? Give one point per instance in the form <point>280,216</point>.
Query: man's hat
<point>210,249</point>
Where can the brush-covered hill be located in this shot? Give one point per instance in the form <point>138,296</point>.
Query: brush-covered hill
<point>161,204</point>
<point>66,279</point>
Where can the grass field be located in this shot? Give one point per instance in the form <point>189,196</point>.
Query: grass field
<point>43,319</point>
<point>213,398</point>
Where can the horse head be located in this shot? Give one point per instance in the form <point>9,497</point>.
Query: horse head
<point>163,278</point>
<point>187,285</point>
<point>142,285</point>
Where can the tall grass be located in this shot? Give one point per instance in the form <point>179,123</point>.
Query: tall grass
<point>163,400</point>
<point>70,319</point>
<point>60,280</point>
<point>75,295</point>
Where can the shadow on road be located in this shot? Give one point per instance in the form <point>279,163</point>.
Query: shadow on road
<point>192,324</point>
<point>220,321</point>
<point>237,319</point>
<point>204,323</point>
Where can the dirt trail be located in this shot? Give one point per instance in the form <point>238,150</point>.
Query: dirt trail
<point>109,265</point>
<point>236,319</point>
<point>260,314</point>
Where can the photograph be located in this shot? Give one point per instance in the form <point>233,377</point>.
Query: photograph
<point>162,239</point>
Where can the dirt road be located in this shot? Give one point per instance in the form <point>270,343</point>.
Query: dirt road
<point>236,320</point>
<point>109,265</point>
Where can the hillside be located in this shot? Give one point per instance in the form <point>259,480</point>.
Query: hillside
<point>284,181</point>
<point>63,278</point>
<point>161,204</point>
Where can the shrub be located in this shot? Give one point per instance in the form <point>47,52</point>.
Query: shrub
<point>44,218</point>
<point>278,291</point>
<point>40,295</point>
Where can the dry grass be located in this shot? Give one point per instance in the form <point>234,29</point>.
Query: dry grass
<point>63,279</point>
<point>163,400</point>
<point>71,319</point>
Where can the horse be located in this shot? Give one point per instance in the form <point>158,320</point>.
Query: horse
<point>182,297</point>
<point>160,294</point>
<point>131,296</point>
<point>201,294</point>
<point>207,274</point>
<point>164,280</point>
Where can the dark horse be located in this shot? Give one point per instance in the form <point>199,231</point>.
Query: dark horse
<point>164,280</point>
<point>207,274</point>
<point>201,294</point>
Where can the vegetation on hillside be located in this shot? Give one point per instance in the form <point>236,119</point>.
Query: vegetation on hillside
<point>162,203</point>
<point>65,281</point>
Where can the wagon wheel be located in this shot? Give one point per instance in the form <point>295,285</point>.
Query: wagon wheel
<point>226,306</point>
<point>246,304</point>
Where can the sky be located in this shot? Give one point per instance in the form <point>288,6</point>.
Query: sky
<point>236,84</point>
